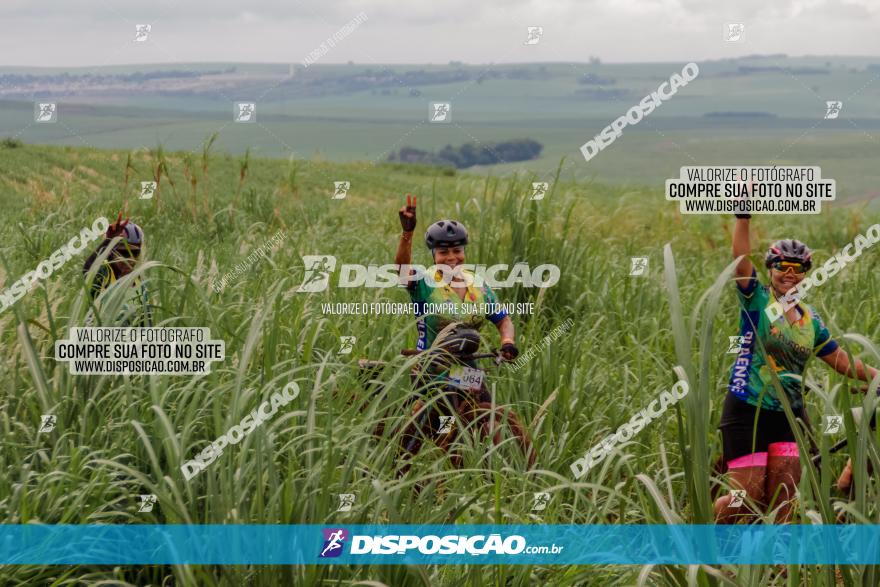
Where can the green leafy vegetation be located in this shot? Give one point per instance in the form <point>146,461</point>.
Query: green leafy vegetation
<point>118,437</point>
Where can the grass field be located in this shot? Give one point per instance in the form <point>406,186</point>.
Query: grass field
<point>117,437</point>
<point>314,115</point>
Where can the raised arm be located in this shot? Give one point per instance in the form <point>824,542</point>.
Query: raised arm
<point>407,216</point>
<point>742,247</point>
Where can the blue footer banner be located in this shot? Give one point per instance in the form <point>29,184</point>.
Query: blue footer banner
<point>437,544</point>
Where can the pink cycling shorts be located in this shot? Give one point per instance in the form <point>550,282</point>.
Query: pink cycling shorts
<point>759,459</point>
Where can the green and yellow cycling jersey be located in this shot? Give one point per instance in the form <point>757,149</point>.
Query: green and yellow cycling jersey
<point>437,305</point>
<point>784,349</point>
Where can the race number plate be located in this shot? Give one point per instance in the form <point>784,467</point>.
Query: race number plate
<point>467,378</point>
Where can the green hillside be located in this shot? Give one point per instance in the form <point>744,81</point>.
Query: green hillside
<point>363,112</point>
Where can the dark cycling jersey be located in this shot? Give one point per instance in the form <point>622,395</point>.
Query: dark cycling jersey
<point>438,306</point>
<point>135,310</point>
<point>784,349</point>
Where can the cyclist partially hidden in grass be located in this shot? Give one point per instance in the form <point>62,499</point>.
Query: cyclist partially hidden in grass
<point>446,240</point>
<point>121,260</point>
<point>449,314</point>
<point>759,446</point>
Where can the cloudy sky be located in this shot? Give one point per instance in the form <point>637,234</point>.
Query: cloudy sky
<point>101,32</point>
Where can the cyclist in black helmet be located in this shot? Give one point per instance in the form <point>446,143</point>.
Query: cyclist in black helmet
<point>121,260</point>
<point>446,240</point>
<point>759,446</point>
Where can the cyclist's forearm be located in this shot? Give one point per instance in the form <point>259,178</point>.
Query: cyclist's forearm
<point>855,369</point>
<point>506,330</point>
<point>742,247</point>
<point>404,249</point>
<point>863,372</point>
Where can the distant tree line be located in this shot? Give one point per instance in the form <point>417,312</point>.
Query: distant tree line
<point>136,77</point>
<point>328,82</point>
<point>471,154</point>
<point>592,79</point>
<point>601,94</point>
<point>743,114</point>
<point>752,70</point>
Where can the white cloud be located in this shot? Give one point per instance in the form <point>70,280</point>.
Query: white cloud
<point>91,32</point>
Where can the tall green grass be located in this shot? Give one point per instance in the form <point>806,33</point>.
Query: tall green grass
<point>118,437</point>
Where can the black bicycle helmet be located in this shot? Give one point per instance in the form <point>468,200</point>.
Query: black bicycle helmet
<point>446,233</point>
<point>789,249</point>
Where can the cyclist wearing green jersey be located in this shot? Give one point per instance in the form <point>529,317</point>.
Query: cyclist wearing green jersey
<point>136,310</point>
<point>446,239</point>
<point>759,446</point>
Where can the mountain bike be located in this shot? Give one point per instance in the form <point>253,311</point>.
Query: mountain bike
<point>452,398</point>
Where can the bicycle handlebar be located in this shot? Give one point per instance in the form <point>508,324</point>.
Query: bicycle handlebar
<point>840,444</point>
<point>416,352</point>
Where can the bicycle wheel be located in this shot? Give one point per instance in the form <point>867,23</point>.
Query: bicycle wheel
<point>500,423</point>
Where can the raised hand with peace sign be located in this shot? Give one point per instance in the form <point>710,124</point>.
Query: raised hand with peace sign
<point>408,214</point>
<point>118,227</point>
